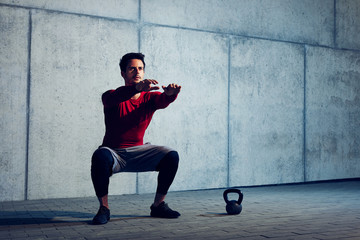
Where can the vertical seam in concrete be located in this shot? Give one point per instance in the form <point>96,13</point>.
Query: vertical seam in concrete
<point>304,118</point>
<point>26,183</point>
<point>139,50</point>
<point>335,32</point>
<point>228,115</point>
<point>139,26</point>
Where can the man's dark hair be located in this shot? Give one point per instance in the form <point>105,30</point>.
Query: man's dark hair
<point>124,61</point>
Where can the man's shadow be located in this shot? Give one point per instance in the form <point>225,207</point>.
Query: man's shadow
<point>51,218</point>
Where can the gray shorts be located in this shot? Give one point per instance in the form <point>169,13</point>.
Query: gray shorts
<point>143,158</point>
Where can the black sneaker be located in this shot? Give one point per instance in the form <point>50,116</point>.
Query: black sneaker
<point>102,216</point>
<point>163,211</point>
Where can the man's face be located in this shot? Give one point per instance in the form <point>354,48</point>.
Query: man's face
<point>134,72</point>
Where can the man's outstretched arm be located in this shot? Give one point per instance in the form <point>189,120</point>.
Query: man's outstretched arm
<point>172,89</point>
<point>121,94</point>
<point>168,96</point>
<point>113,97</point>
<point>147,85</point>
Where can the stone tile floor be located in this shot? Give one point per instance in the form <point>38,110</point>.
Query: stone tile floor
<point>324,210</point>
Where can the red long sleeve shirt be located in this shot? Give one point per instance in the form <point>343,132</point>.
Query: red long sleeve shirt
<point>125,119</point>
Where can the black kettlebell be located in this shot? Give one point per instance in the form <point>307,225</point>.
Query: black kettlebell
<point>233,207</point>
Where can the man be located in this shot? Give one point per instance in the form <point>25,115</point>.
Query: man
<point>128,111</point>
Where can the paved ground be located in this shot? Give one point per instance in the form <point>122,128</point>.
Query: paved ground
<point>329,210</point>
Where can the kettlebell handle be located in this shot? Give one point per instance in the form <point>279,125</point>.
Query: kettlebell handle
<point>233,190</point>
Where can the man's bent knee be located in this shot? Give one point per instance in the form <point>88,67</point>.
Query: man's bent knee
<point>170,160</point>
<point>173,157</point>
<point>102,156</point>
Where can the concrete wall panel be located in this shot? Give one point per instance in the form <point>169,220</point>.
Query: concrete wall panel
<point>266,117</point>
<point>14,26</point>
<point>332,116</point>
<point>348,24</point>
<point>73,61</point>
<point>124,9</point>
<point>196,123</point>
<point>308,21</point>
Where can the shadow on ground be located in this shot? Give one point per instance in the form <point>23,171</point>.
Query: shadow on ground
<point>53,218</point>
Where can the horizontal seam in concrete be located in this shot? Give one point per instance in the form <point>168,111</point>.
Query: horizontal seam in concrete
<point>278,184</point>
<point>179,27</point>
<point>245,36</point>
<point>71,13</point>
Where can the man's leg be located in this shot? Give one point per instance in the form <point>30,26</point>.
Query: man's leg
<point>149,157</point>
<point>167,170</point>
<point>104,201</point>
<point>101,170</point>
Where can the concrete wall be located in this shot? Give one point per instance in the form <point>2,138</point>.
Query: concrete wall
<point>270,90</point>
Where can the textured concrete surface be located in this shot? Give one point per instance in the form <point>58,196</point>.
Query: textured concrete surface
<point>332,114</point>
<point>266,117</point>
<point>124,9</point>
<point>74,60</point>
<point>311,211</point>
<point>348,24</point>
<point>13,97</point>
<point>196,123</point>
<point>289,20</point>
